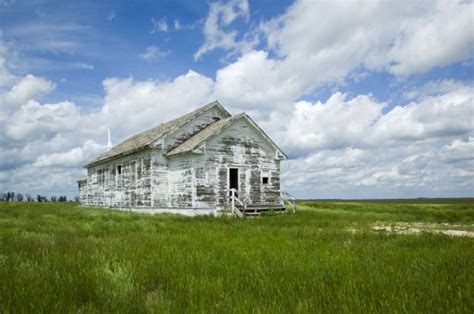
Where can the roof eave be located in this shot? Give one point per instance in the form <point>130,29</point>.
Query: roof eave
<point>266,136</point>
<point>97,162</point>
<point>235,118</point>
<point>163,135</point>
<point>207,107</point>
<point>194,152</point>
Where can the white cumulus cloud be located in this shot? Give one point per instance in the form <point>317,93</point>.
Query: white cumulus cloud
<point>76,157</point>
<point>160,25</point>
<point>318,43</point>
<point>216,32</point>
<point>25,89</point>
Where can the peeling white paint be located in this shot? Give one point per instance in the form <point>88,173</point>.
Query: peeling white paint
<point>188,182</point>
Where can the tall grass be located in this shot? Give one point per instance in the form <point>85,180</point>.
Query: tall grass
<point>63,258</point>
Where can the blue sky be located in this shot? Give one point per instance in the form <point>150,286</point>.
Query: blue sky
<point>100,39</point>
<point>368,98</point>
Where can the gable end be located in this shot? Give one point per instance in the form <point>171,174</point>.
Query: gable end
<point>195,141</point>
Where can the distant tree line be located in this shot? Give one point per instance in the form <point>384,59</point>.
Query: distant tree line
<point>19,197</point>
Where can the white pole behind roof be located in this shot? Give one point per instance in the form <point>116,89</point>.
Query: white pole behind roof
<point>109,142</point>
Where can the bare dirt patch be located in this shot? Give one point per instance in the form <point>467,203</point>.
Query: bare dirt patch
<point>418,228</point>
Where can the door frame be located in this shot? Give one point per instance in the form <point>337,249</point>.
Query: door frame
<point>228,177</point>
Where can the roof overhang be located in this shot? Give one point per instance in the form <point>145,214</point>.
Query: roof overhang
<point>156,141</point>
<point>279,155</point>
<point>277,148</point>
<point>105,160</point>
<point>214,104</point>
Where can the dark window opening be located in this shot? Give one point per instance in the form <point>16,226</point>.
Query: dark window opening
<point>133,171</point>
<point>265,176</point>
<point>119,169</point>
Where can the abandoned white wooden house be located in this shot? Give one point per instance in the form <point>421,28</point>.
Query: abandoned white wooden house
<point>204,162</point>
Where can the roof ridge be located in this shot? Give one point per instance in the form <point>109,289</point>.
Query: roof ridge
<point>190,114</point>
<point>146,137</point>
<point>202,135</point>
<point>197,139</point>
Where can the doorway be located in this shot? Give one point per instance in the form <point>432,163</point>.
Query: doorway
<point>234,179</point>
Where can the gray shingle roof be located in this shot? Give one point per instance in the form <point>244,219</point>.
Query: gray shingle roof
<point>146,138</point>
<point>192,142</point>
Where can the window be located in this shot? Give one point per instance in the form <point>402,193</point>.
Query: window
<point>139,169</point>
<point>133,172</point>
<point>118,178</point>
<point>199,173</point>
<point>101,176</point>
<point>107,177</point>
<point>265,176</point>
<point>94,177</point>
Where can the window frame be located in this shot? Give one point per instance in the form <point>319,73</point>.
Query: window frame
<point>118,176</point>
<point>263,176</point>
<point>133,172</point>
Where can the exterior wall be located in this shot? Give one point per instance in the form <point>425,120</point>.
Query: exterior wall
<point>181,187</point>
<point>179,183</point>
<point>130,188</point>
<point>188,185</point>
<point>192,182</point>
<point>189,182</point>
<point>200,181</point>
<point>159,180</point>
<point>82,191</point>
<point>195,125</point>
<point>241,146</point>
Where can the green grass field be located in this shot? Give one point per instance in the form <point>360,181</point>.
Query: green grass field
<point>58,257</point>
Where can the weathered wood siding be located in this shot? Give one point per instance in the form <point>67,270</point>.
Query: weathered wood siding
<point>130,188</point>
<point>241,146</point>
<point>191,184</point>
<point>82,191</point>
<point>192,127</point>
<point>180,182</point>
<point>159,180</point>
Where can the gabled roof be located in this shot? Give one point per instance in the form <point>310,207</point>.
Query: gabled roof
<point>144,139</point>
<point>194,141</point>
<point>197,139</point>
